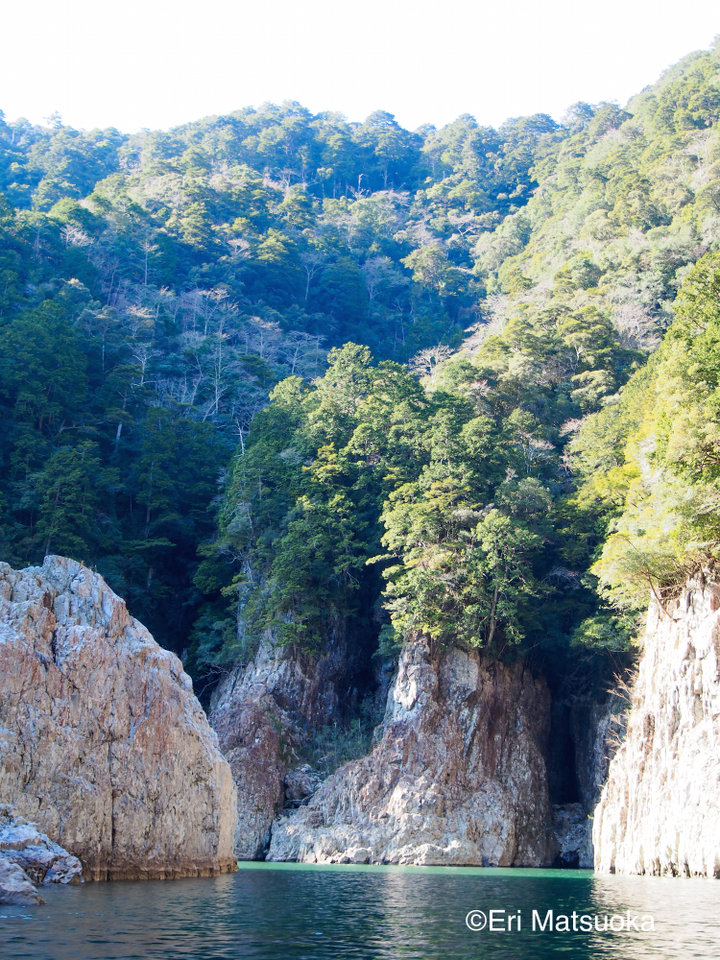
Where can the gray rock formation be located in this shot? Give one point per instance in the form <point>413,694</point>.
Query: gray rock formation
<point>102,742</point>
<point>15,886</point>
<point>597,727</point>
<point>458,776</point>
<point>593,727</point>
<point>264,713</point>
<point>572,830</point>
<point>659,812</point>
<point>42,860</point>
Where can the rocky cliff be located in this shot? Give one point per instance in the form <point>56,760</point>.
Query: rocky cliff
<point>102,742</point>
<point>264,713</point>
<point>458,776</point>
<point>659,812</point>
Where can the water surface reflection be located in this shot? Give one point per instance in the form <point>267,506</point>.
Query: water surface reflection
<point>302,912</point>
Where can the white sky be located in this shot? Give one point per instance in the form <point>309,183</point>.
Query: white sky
<point>155,63</point>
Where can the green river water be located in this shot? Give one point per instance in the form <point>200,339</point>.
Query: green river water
<point>303,912</point>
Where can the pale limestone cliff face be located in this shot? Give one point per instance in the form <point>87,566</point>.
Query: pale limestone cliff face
<point>659,812</point>
<point>102,743</point>
<point>458,776</point>
<point>263,714</point>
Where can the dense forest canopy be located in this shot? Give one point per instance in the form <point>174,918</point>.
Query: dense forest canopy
<point>444,321</point>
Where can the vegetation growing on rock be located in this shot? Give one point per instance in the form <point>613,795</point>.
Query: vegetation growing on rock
<point>519,487</point>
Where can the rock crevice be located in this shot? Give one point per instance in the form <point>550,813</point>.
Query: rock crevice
<point>264,714</point>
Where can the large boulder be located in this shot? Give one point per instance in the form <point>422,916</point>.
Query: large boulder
<point>102,742</point>
<point>15,885</point>
<point>43,860</point>
<point>659,812</point>
<point>458,776</point>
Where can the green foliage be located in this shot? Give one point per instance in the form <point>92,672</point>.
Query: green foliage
<point>300,515</point>
<point>288,214</point>
<point>459,481</point>
<point>464,576</point>
<point>155,288</point>
<point>337,743</point>
<point>67,495</point>
<point>651,463</point>
<point>625,203</point>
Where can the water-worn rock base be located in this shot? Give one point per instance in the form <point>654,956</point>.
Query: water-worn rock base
<point>102,742</point>
<point>659,812</point>
<point>458,776</point>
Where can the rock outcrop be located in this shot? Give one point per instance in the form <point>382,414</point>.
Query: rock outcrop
<point>572,830</point>
<point>102,742</point>
<point>591,727</point>
<point>264,713</point>
<point>15,885</point>
<point>659,812</point>
<point>458,776</point>
<point>43,860</point>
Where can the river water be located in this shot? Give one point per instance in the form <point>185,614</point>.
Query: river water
<point>304,912</point>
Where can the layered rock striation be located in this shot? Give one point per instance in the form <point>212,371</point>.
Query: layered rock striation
<point>102,742</point>
<point>457,777</point>
<point>659,812</point>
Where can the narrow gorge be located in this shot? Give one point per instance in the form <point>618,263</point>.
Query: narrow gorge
<point>464,769</point>
<point>469,763</point>
<point>405,447</point>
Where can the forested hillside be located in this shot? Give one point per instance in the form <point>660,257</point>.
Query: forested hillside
<point>156,287</point>
<point>474,506</point>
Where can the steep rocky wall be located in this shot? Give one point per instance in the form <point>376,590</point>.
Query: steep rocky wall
<point>264,713</point>
<point>659,812</point>
<point>102,743</point>
<point>596,727</point>
<point>458,776</point>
